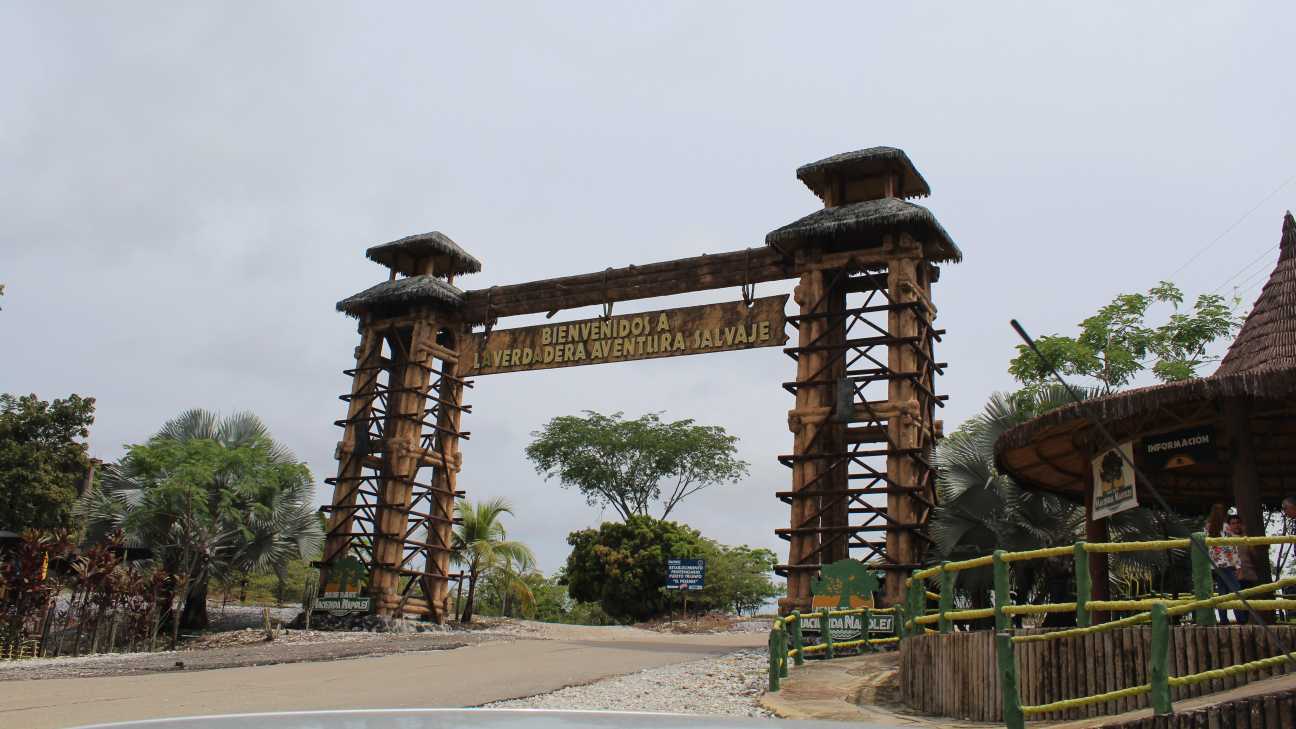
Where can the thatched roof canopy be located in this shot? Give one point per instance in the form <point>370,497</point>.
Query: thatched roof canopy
<point>448,259</point>
<point>1267,340</point>
<point>390,297</point>
<point>1048,452</point>
<point>863,163</point>
<point>863,224</point>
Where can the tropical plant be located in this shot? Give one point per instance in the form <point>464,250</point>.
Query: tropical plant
<point>481,546</point>
<point>211,497</point>
<point>43,460</point>
<point>982,509</point>
<point>738,579</point>
<point>510,589</point>
<point>624,463</point>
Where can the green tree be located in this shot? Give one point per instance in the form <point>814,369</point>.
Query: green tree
<point>211,497</point>
<point>1118,343</point>
<point>42,462</point>
<point>622,565</point>
<point>629,464</point>
<point>738,579</point>
<point>482,546</point>
<point>551,603</point>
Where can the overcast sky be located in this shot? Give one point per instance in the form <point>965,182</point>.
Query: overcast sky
<point>186,190</point>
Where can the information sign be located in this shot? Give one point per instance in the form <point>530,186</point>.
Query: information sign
<point>685,574</point>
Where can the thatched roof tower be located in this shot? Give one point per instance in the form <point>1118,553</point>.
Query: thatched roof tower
<point>425,254</point>
<point>863,194</point>
<point>427,265</point>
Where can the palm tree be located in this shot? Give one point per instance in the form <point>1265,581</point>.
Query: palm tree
<point>510,575</point>
<point>481,545</point>
<point>255,512</point>
<point>982,509</point>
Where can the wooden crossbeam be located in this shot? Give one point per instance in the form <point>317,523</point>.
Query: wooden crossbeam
<point>682,275</point>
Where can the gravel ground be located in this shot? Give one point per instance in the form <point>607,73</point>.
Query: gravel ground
<point>238,648</point>
<point>237,638</point>
<point>238,617</point>
<point>727,686</point>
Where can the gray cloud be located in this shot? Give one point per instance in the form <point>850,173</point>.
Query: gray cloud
<point>185,190</point>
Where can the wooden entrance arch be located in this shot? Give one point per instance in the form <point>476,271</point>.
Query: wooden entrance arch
<point>863,420</point>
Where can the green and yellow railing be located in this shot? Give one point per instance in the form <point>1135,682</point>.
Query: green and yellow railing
<point>13,650</point>
<point>786,642</point>
<point>915,616</point>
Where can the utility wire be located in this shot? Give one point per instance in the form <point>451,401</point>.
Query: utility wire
<point>1268,251</point>
<point>1229,582</point>
<point>1229,229</point>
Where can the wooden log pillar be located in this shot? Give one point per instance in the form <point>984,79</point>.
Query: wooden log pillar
<point>905,284</point>
<point>440,531</point>
<point>835,504</point>
<point>401,456</point>
<point>813,406</point>
<point>1096,531</point>
<point>352,449</point>
<point>1246,477</point>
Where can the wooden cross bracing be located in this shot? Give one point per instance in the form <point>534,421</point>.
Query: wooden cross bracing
<point>393,504</point>
<point>853,446</point>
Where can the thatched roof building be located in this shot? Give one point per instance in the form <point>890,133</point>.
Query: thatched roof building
<point>1258,375</point>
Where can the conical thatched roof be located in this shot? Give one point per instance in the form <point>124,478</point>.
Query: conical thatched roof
<point>401,293</point>
<point>862,224</point>
<point>865,163</point>
<point>1260,365</point>
<point>1267,340</point>
<point>448,259</point>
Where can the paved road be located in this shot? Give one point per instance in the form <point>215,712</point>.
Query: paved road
<point>463,677</point>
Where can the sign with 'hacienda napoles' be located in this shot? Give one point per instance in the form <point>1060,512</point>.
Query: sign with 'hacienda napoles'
<point>626,337</point>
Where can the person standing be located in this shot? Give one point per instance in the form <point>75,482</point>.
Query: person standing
<point>1224,557</point>
<point>1247,574</point>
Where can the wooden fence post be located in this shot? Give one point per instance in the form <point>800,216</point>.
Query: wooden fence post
<point>1160,679</point>
<point>773,661</point>
<point>782,652</point>
<point>1012,713</point>
<point>1084,586</point>
<point>1203,587</point>
<point>798,641</point>
<point>946,598</point>
<point>825,632</point>
<point>917,602</point>
<point>1003,596</point>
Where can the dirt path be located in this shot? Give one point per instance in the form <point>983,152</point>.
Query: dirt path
<point>491,670</point>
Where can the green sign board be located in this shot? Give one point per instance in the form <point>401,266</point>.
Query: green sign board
<point>846,584</point>
<point>343,592</point>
